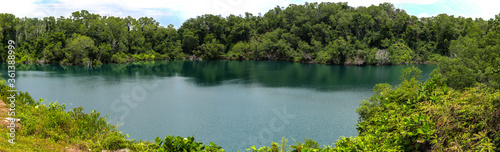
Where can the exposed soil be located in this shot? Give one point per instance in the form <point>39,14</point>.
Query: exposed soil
<point>4,109</point>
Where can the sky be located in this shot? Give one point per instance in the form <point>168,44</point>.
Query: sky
<point>175,12</point>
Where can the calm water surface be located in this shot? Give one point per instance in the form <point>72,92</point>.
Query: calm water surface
<point>235,104</point>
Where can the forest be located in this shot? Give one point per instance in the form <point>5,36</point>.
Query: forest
<point>328,33</point>
<point>456,109</point>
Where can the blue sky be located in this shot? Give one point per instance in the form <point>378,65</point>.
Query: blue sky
<point>177,11</point>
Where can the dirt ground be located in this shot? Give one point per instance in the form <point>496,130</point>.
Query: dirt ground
<point>4,109</point>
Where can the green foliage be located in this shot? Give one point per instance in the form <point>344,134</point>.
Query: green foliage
<point>309,145</point>
<point>400,53</point>
<point>189,41</point>
<point>470,63</point>
<point>327,33</point>
<point>323,57</point>
<point>78,49</point>
<point>120,58</point>
<point>411,73</point>
<point>456,75</point>
<point>435,58</point>
<point>115,141</point>
<point>369,56</point>
<point>275,147</point>
<point>211,50</point>
<point>369,107</point>
<point>144,56</point>
<point>177,143</point>
<point>239,51</point>
<point>426,117</point>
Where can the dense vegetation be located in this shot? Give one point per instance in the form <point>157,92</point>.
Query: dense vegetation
<point>422,116</point>
<point>457,109</point>
<point>332,33</point>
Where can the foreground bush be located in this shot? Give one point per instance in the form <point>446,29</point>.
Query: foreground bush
<point>427,116</point>
<point>177,143</point>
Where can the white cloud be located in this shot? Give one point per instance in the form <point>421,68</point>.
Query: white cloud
<point>188,8</point>
<point>19,8</point>
<point>413,1</point>
<point>488,9</point>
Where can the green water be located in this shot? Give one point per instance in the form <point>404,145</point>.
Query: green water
<point>235,104</point>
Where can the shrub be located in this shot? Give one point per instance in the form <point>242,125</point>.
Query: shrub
<point>400,53</point>
<point>120,58</point>
<point>177,143</point>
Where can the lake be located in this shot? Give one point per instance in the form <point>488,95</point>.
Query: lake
<point>235,104</point>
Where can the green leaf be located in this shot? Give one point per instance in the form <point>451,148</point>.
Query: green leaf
<point>158,141</point>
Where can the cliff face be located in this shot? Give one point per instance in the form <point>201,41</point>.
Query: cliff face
<point>382,57</point>
<point>355,61</point>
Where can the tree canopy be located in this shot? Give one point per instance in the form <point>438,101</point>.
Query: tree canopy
<point>329,33</point>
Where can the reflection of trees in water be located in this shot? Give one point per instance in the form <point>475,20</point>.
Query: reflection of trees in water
<point>212,73</point>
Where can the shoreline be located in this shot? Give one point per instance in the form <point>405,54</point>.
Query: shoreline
<point>310,62</point>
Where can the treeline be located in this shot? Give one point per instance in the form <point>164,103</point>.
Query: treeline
<point>330,33</point>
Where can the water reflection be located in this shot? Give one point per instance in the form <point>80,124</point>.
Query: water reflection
<point>213,73</point>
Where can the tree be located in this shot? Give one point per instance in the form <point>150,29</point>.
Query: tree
<point>78,50</point>
<point>400,53</point>
<point>455,74</point>
<point>312,32</point>
<point>189,41</point>
<point>411,73</point>
<point>239,51</point>
<point>212,50</point>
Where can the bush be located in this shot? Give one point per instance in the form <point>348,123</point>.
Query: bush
<point>427,117</point>
<point>115,141</point>
<point>400,53</point>
<point>120,58</point>
<point>323,57</point>
<point>455,74</point>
